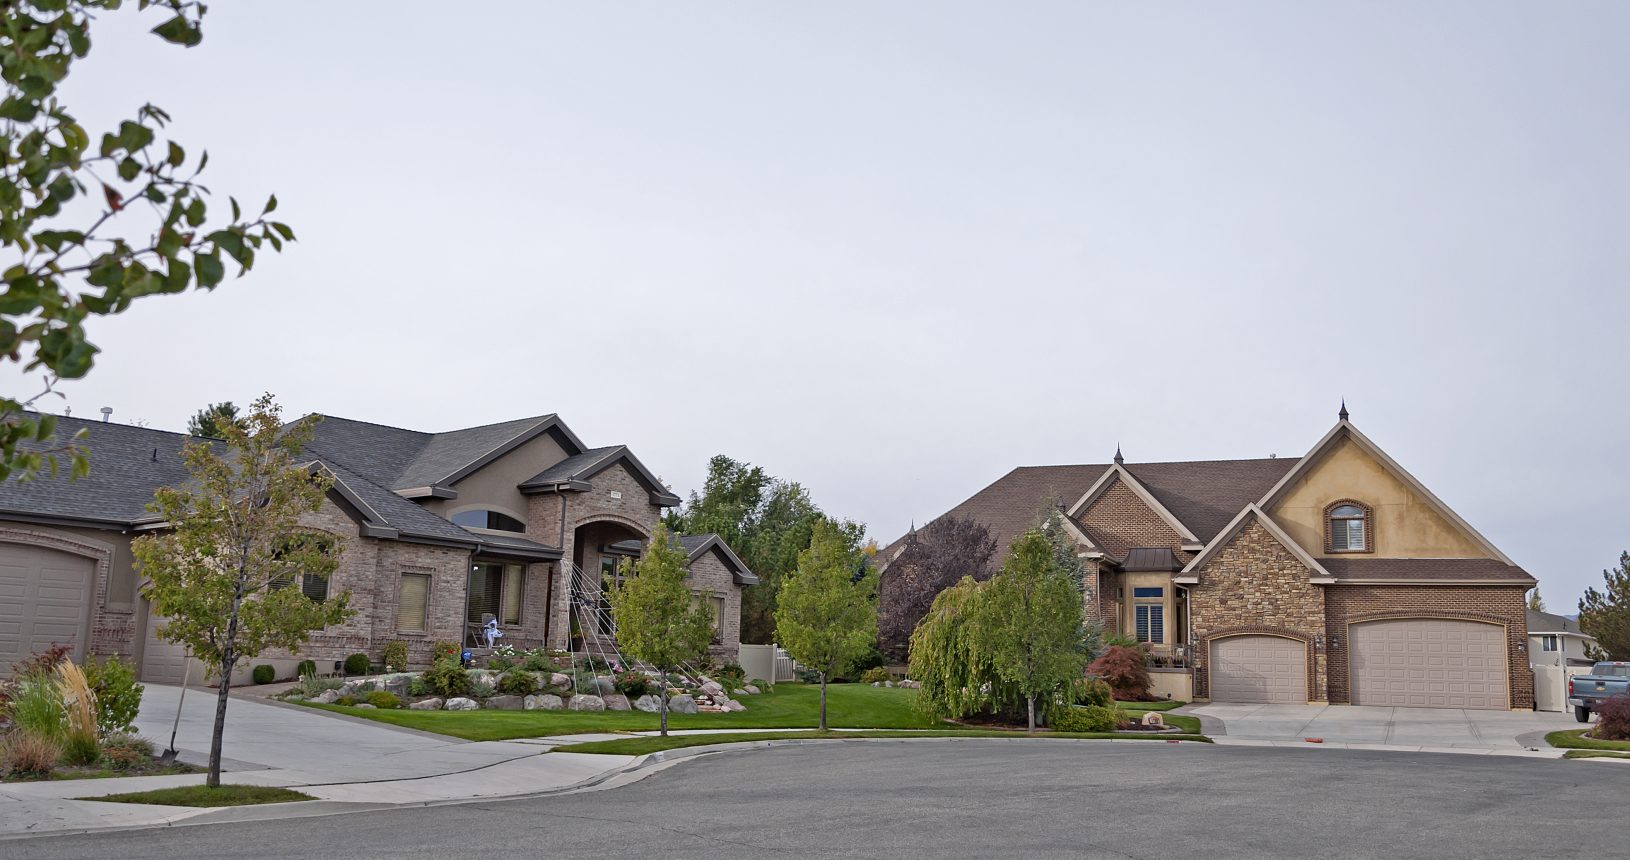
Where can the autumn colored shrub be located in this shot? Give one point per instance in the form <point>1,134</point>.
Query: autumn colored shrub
<point>1123,670</point>
<point>1613,719</point>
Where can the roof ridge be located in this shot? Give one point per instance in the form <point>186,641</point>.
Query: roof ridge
<point>534,420</point>
<point>94,422</point>
<point>326,417</point>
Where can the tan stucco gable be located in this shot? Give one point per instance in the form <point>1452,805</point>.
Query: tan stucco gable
<point>1408,521</point>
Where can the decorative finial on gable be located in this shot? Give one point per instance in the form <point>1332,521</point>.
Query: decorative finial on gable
<point>1343,413</point>
<point>1118,460</point>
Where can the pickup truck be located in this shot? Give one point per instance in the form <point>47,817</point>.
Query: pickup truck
<point>1605,681</point>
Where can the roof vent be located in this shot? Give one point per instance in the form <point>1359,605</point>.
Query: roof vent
<point>107,414</point>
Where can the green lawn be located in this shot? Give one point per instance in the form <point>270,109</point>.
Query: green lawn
<point>790,706</point>
<point>643,745</point>
<point>1594,754</point>
<point>1187,724</point>
<point>1575,739</point>
<point>203,795</point>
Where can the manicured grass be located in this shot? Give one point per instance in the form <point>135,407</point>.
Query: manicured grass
<point>203,795</point>
<point>643,745</point>
<point>1187,724</point>
<point>1594,754</point>
<point>1575,739</point>
<point>790,706</point>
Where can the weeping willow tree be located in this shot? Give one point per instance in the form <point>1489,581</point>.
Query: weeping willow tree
<point>951,657</point>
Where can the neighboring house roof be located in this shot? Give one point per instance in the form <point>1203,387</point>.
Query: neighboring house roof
<point>697,545</point>
<point>1355,569</point>
<point>128,465</point>
<point>1547,623</point>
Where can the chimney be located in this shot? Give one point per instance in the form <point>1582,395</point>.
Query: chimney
<point>107,414</point>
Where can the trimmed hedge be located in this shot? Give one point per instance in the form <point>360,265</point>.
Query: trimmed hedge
<point>263,674</point>
<point>356,664</point>
<point>1092,718</point>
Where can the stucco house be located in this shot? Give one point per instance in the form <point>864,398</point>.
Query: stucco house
<point>1334,577</point>
<point>520,521</point>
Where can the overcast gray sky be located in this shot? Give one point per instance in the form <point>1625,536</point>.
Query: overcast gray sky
<point>891,250</point>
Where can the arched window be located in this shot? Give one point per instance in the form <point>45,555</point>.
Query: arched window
<point>482,519</point>
<point>1347,527</point>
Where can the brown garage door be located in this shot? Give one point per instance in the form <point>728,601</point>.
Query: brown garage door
<point>1261,669</point>
<point>45,599</point>
<point>165,662</point>
<point>1429,663</point>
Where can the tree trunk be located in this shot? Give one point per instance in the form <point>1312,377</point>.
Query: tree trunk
<point>823,702</point>
<point>214,780</point>
<point>1030,704</point>
<point>663,687</point>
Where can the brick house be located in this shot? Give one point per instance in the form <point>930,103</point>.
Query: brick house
<point>520,522</point>
<point>1336,577</point>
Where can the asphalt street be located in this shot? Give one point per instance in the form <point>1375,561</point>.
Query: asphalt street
<point>977,798</point>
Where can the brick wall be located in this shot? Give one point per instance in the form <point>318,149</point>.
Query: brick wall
<point>1255,585</point>
<point>1501,604</point>
<point>1118,521</point>
<point>710,577</point>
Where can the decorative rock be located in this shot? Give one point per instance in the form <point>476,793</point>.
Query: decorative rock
<point>364,707</point>
<point>682,705</point>
<point>733,705</point>
<point>503,703</point>
<point>1154,719</point>
<point>326,697</point>
<point>712,688</point>
<point>426,705</point>
<point>738,692</point>
<point>877,683</point>
<point>587,703</point>
<point>461,704</point>
<point>616,702</point>
<point>889,684</point>
<point>752,689</point>
<point>548,702</point>
<point>559,680</point>
<point>648,703</point>
<point>294,697</point>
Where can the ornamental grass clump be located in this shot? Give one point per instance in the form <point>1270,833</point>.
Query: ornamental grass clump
<point>36,708</point>
<point>25,753</point>
<point>79,743</point>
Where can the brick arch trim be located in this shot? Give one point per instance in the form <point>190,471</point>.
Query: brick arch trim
<point>591,519</point>
<point>1369,526</point>
<point>100,553</point>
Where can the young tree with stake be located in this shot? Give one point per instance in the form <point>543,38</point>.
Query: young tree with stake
<point>1035,642</point>
<point>224,573</point>
<point>659,621</point>
<point>826,613</point>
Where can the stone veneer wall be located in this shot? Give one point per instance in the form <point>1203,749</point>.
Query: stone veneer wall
<point>1501,604</point>
<point>1255,585</point>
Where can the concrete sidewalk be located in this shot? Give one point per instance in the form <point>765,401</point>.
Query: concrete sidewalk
<point>335,758</point>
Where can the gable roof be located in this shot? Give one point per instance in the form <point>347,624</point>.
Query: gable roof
<point>1206,494</point>
<point>128,465</point>
<point>1344,429</point>
<point>574,472</point>
<point>1254,513</point>
<point>1545,622</point>
<point>1118,473</point>
<point>408,459</point>
<point>696,546</point>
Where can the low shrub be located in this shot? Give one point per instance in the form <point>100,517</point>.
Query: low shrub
<point>383,700</point>
<point>872,659</point>
<point>118,696</point>
<point>1092,718</point>
<point>537,660</point>
<point>263,674</point>
<point>517,681</point>
<point>42,662</point>
<point>125,751</point>
<point>346,700</point>
<point>395,656</point>
<point>311,685</point>
<point>632,684</point>
<point>417,687</point>
<point>732,676</point>
<point>1613,719</point>
<point>304,668</point>
<point>480,687</point>
<point>594,664</point>
<point>761,684</point>
<point>874,675</point>
<point>443,650</point>
<point>809,676</point>
<point>1123,669</point>
<point>503,657</point>
<point>1093,691</point>
<point>356,664</point>
<point>26,753</point>
<point>447,678</point>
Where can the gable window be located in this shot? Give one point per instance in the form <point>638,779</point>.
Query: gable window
<point>1347,528</point>
<point>1548,642</point>
<point>483,519</point>
<point>495,591</point>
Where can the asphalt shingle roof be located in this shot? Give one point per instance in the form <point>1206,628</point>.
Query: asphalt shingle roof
<point>402,459</point>
<point>1546,622</point>
<point>1359,570</point>
<point>128,464</point>
<point>573,466</point>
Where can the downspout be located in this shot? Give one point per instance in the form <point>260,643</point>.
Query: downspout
<point>1188,625</point>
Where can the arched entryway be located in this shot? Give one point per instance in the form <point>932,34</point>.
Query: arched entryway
<point>603,551</point>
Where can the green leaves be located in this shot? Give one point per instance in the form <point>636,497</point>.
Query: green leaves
<point>179,31</point>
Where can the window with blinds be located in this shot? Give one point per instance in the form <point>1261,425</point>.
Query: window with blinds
<point>1348,528</point>
<point>512,595</point>
<point>314,586</point>
<point>495,590</point>
<point>412,602</point>
<point>1151,623</point>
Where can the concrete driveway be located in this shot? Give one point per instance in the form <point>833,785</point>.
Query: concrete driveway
<point>1415,729</point>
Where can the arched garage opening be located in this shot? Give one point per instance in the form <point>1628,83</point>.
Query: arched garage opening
<point>1429,663</point>
<point>1259,669</point>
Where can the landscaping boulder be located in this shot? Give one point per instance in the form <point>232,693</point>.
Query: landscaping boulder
<point>426,705</point>
<point>294,697</point>
<point>616,702</point>
<point>712,688</point>
<point>559,680</point>
<point>648,703</point>
<point>544,702</point>
<point>326,697</point>
<point>503,703</point>
<point>732,705</point>
<point>461,704</point>
<point>749,689</point>
<point>682,705</point>
<point>364,707</point>
<point>587,703</point>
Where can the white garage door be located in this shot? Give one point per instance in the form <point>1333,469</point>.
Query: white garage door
<point>165,662</point>
<point>1260,669</point>
<point>45,599</point>
<point>1429,663</point>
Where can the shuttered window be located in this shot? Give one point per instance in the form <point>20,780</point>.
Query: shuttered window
<point>412,601</point>
<point>1151,619</point>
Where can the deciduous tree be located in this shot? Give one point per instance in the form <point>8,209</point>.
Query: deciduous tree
<point>826,615</point>
<point>659,621</point>
<point>1605,614</point>
<point>934,558</point>
<point>92,223</point>
<point>223,573</point>
<point>1035,612</point>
